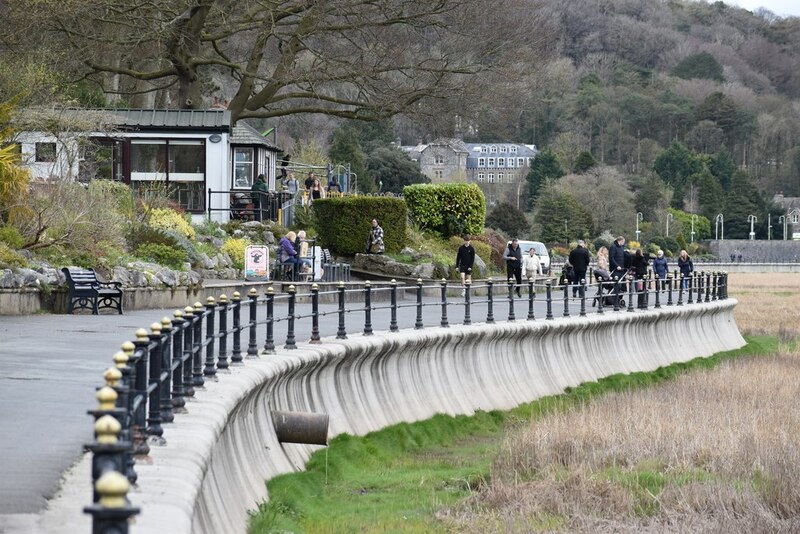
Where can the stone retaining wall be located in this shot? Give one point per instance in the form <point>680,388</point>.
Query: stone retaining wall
<point>218,456</point>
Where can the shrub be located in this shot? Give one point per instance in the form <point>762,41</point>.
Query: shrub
<point>11,236</point>
<point>122,195</point>
<point>450,209</point>
<point>496,244</point>
<point>481,249</point>
<point>345,222</point>
<point>209,228</point>
<point>168,219</point>
<point>667,244</point>
<point>139,234</point>
<point>184,243</point>
<point>606,239</point>
<point>9,258</point>
<point>162,254</point>
<point>234,248</point>
<point>508,218</point>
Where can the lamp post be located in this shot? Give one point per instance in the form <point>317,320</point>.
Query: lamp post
<point>692,234</point>
<point>752,220</point>
<point>782,220</point>
<point>769,227</point>
<point>639,218</point>
<point>670,218</point>
<point>719,227</point>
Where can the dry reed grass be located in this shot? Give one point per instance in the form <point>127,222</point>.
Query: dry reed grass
<point>710,452</point>
<point>769,303</point>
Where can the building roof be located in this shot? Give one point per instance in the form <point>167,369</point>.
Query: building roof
<point>129,119</point>
<point>244,134</point>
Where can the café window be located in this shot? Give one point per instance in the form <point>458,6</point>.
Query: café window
<point>100,159</point>
<point>45,152</point>
<point>242,168</point>
<point>175,168</point>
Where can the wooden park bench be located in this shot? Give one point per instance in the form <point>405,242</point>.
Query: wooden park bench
<point>87,292</point>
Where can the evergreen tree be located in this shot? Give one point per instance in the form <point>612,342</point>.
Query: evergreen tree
<point>710,193</point>
<point>544,168</point>
<point>722,167</point>
<point>394,169</point>
<point>702,65</point>
<point>506,217</point>
<point>561,218</point>
<point>674,165</point>
<point>584,162</point>
<point>345,148</point>
<point>649,197</point>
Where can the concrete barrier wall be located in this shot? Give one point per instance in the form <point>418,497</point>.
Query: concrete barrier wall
<point>219,455</point>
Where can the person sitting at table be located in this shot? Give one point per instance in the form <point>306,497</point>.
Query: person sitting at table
<point>288,255</point>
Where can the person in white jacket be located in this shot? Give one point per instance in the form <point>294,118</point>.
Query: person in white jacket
<point>531,265</point>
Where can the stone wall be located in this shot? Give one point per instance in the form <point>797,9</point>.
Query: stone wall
<point>218,456</point>
<point>773,251</point>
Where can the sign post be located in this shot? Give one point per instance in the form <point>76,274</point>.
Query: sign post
<point>256,263</point>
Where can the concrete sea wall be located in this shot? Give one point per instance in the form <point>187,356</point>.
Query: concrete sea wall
<point>218,456</point>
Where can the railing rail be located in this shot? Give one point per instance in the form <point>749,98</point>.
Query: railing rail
<point>154,375</point>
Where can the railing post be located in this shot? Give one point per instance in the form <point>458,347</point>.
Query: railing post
<point>646,291</point>
<point>166,370</point>
<point>690,288</point>
<point>680,282</point>
<point>418,324</point>
<point>583,298</point>
<point>140,357</point>
<point>467,313</point>
<point>566,300</point>
<point>186,354</point>
<point>315,314</point>
<point>210,368</point>
<point>124,401</point>
<point>444,323</point>
<point>154,429</point>
<point>669,289</point>
<point>617,283</point>
<point>549,296</point>
<point>341,333</point>
<point>269,342</point>
<point>599,297</point>
<point>198,380</point>
<point>658,292</point>
<point>490,301</point>
<point>724,285</point>
<point>530,301</point>
<point>367,308</point>
<point>178,390</point>
<point>236,351</point>
<point>708,286</point>
<point>290,341</point>
<point>222,352</point>
<point>252,344</point>
<point>699,278</point>
<point>511,316</point>
<point>393,311</point>
<point>631,288</point>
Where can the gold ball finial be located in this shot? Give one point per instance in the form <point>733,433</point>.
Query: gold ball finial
<point>223,299</point>
<point>393,282</point>
<point>198,307</point>
<point>270,290</point>
<point>315,286</point>
<point>120,359</point>
<point>178,314</point>
<point>107,429</point>
<point>419,281</point>
<point>112,488</point>
<point>237,295</point>
<point>128,348</point>
<point>292,288</point>
<point>113,375</point>
<point>444,281</point>
<point>252,292</point>
<point>107,398</point>
<point>188,311</point>
<point>166,323</point>
<point>341,283</point>
<point>141,335</point>
<point>367,283</point>
<point>155,328</point>
<point>210,301</point>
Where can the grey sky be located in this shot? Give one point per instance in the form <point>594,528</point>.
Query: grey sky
<point>779,7</point>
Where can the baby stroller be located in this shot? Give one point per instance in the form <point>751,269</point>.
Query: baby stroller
<point>612,289</point>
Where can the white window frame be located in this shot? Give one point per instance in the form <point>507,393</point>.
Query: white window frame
<point>503,149</point>
<point>500,177</point>
<point>501,162</point>
<point>491,162</point>
<point>513,149</point>
<point>520,162</point>
<point>481,177</point>
<point>493,149</point>
<point>481,162</point>
<point>243,165</point>
<point>438,159</point>
<point>795,218</point>
<point>490,178</point>
<point>438,174</point>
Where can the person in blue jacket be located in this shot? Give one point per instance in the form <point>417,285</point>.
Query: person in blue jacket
<point>661,267</point>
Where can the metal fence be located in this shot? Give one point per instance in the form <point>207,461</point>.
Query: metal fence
<point>156,373</point>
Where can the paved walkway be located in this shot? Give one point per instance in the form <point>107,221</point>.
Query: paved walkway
<point>50,366</point>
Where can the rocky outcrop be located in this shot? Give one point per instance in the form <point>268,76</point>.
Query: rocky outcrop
<point>384,265</point>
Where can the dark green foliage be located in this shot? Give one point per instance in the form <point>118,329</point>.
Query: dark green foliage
<point>722,167</point>
<point>345,148</point>
<point>139,234</point>
<point>584,162</point>
<point>702,65</point>
<point>601,242</point>
<point>675,165</point>
<point>648,197</point>
<point>394,169</point>
<point>668,244</point>
<point>544,168</point>
<point>508,218</point>
<point>439,207</point>
<point>681,227</point>
<point>162,254</point>
<point>186,245</point>
<point>561,218</point>
<point>345,222</point>
<point>11,236</point>
<point>710,194</point>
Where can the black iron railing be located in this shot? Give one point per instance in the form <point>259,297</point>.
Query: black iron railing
<point>154,375</point>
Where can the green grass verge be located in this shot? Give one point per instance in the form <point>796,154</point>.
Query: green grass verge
<point>395,479</point>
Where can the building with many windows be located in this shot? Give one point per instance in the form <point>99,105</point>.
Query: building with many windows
<point>791,214</point>
<point>499,169</point>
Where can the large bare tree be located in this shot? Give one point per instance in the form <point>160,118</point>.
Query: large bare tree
<point>362,59</point>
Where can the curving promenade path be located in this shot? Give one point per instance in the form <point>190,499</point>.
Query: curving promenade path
<point>218,455</point>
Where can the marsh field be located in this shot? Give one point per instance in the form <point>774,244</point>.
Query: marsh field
<point>709,447</point>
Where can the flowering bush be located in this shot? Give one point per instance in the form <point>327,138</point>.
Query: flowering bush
<point>235,249</point>
<point>167,219</point>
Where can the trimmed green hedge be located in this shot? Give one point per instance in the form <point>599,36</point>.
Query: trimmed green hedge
<point>450,209</point>
<point>344,223</point>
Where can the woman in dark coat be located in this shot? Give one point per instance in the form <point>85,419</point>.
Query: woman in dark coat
<point>686,266</point>
<point>639,264</point>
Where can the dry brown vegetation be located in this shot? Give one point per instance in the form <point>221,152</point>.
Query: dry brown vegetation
<point>712,451</point>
